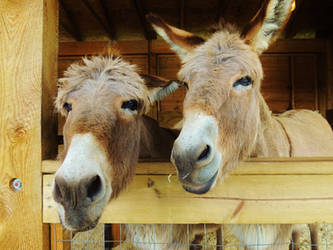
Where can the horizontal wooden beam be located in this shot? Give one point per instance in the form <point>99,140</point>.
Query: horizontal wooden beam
<point>161,47</point>
<point>255,166</point>
<point>74,30</point>
<point>241,199</point>
<point>94,48</point>
<point>282,190</point>
<point>280,46</point>
<point>109,31</point>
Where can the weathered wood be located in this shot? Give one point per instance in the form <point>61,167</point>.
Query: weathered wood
<point>161,47</point>
<point>253,166</point>
<point>60,238</point>
<point>94,48</point>
<point>107,16</point>
<point>330,74</point>
<point>141,11</point>
<point>49,83</point>
<point>181,13</point>
<point>107,29</point>
<point>74,30</point>
<point>23,65</point>
<point>240,199</point>
<point>280,46</point>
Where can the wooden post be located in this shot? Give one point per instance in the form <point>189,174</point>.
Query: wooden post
<point>26,61</point>
<point>329,111</point>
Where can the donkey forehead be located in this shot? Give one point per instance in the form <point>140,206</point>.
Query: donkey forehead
<point>108,89</point>
<point>223,54</point>
<point>102,76</point>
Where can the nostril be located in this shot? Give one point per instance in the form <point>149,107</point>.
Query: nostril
<point>57,194</point>
<point>204,154</point>
<point>94,187</point>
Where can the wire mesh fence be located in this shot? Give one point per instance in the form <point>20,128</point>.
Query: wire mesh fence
<point>112,236</point>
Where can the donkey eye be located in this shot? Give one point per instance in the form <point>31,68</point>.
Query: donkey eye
<point>67,107</point>
<point>131,104</point>
<point>243,82</point>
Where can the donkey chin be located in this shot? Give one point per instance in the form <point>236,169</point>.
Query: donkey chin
<point>81,218</point>
<point>202,178</point>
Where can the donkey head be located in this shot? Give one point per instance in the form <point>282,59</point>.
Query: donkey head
<point>103,100</point>
<point>221,106</point>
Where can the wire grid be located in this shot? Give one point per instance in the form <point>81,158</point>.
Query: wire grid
<point>102,238</point>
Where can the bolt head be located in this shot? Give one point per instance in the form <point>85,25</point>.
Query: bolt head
<point>16,184</point>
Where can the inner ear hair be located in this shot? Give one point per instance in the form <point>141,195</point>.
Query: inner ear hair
<point>180,40</point>
<point>160,87</point>
<point>152,81</point>
<point>267,23</point>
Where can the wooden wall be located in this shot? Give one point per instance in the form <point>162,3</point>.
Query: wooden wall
<point>293,72</point>
<point>28,50</point>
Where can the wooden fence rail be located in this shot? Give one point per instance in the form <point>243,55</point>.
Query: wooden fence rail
<point>296,190</point>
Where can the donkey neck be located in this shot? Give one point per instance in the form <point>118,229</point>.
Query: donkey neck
<point>272,139</point>
<point>155,141</point>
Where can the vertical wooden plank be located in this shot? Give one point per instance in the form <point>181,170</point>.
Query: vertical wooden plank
<point>292,81</point>
<point>22,23</point>
<point>46,236</point>
<point>49,82</point>
<point>60,238</point>
<point>330,74</point>
<point>329,60</point>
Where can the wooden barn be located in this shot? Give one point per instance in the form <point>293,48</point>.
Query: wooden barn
<point>40,39</point>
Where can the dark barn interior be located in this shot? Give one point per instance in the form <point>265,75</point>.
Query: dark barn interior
<point>297,68</point>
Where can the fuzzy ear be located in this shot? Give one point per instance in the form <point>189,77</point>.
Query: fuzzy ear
<point>159,87</point>
<point>266,24</point>
<point>180,41</point>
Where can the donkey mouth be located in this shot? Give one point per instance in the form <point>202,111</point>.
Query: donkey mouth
<point>86,227</point>
<point>202,188</point>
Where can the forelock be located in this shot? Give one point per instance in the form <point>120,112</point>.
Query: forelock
<point>111,71</point>
<point>224,47</point>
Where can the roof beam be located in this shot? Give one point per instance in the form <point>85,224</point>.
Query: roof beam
<point>107,29</point>
<point>107,16</point>
<point>181,13</point>
<point>290,31</point>
<point>74,30</point>
<point>148,31</point>
<point>221,9</point>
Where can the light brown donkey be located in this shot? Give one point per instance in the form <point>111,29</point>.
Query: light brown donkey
<point>104,101</point>
<point>225,116</point>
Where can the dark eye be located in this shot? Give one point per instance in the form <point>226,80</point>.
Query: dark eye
<point>185,85</point>
<point>245,81</point>
<point>131,104</point>
<point>67,107</point>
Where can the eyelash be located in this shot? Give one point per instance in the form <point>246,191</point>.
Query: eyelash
<point>131,104</point>
<point>244,82</point>
<point>67,107</point>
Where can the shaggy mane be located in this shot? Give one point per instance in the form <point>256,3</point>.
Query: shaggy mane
<point>223,25</point>
<point>110,69</point>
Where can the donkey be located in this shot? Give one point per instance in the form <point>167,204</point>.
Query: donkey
<point>104,101</point>
<point>226,119</point>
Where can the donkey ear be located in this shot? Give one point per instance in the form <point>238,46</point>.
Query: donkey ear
<point>180,41</point>
<point>266,24</point>
<point>159,87</point>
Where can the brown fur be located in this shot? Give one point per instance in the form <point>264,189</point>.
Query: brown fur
<point>96,88</point>
<point>246,126</point>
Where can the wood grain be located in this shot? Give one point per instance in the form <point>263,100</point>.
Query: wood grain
<point>263,198</point>
<point>255,166</point>
<point>49,81</point>
<point>280,46</point>
<point>60,238</point>
<point>22,55</point>
<point>94,48</point>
